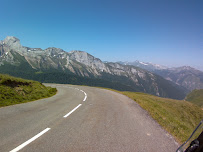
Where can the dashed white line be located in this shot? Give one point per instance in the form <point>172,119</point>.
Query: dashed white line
<point>72,111</point>
<point>30,140</point>
<point>47,129</point>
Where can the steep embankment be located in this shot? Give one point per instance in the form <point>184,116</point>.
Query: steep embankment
<point>16,90</point>
<point>196,97</point>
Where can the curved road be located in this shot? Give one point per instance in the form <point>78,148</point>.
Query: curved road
<point>81,119</point>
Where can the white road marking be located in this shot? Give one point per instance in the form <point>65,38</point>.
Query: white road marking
<point>30,140</point>
<point>85,95</point>
<point>72,111</point>
<point>85,98</point>
<point>148,134</point>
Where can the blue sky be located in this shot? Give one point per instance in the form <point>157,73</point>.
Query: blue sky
<point>167,32</point>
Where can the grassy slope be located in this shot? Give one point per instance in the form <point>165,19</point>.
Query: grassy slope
<point>196,97</point>
<point>16,90</point>
<point>178,117</point>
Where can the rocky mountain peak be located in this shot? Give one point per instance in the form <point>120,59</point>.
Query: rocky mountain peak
<point>81,56</point>
<point>187,69</point>
<point>77,51</point>
<point>54,50</point>
<point>11,40</point>
<point>88,60</point>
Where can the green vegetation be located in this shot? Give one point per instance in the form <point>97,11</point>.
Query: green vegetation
<point>196,97</point>
<point>122,83</point>
<point>16,90</point>
<point>178,117</point>
<point>59,76</point>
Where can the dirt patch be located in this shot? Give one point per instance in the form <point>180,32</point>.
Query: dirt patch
<point>14,84</point>
<point>20,91</point>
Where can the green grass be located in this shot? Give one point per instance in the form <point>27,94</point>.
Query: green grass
<point>178,117</point>
<point>16,90</point>
<point>39,72</point>
<point>196,97</point>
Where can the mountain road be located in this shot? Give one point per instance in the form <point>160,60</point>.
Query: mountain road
<point>81,119</point>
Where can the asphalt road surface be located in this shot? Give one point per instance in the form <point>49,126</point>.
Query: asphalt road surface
<point>81,119</point>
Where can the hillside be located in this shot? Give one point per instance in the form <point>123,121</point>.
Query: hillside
<point>78,67</point>
<point>185,76</point>
<point>16,90</point>
<point>178,117</point>
<point>196,97</point>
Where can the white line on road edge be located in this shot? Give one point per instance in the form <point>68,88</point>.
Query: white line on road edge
<point>72,111</point>
<point>30,140</point>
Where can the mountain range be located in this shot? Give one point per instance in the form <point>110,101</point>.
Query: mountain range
<point>185,76</point>
<point>77,67</point>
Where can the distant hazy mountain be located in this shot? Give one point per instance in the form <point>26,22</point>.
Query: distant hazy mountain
<point>144,65</point>
<point>185,76</point>
<point>77,67</point>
